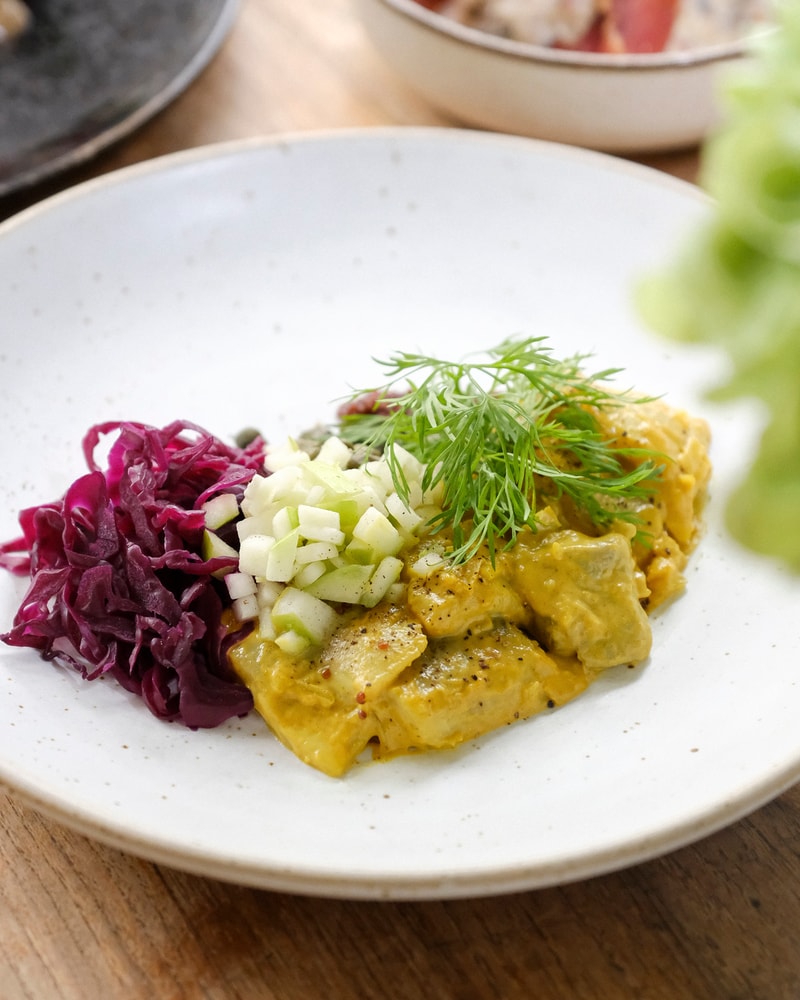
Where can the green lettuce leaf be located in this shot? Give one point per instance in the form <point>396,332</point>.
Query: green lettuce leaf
<point>736,284</point>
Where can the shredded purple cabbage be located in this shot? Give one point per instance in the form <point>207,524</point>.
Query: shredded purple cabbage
<point>118,582</point>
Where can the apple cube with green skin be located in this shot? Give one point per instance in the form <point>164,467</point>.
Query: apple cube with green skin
<point>343,585</point>
<point>362,553</point>
<point>376,530</point>
<point>349,511</point>
<point>220,510</point>
<point>319,525</point>
<point>386,574</point>
<point>285,520</point>
<point>335,482</point>
<point>281,558</point>
<point>308,573</point>
<point>315,552</point>
<point>213,547</point>
<point>408,520</point>
<point>292,642</point>
<point>300,612</point>
<point>285,486</point>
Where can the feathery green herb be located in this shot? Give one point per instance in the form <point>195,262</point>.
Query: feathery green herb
<point>499,433</point>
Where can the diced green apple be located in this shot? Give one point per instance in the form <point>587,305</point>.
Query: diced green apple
<point>240,585</point>
<point>298,611</point>
<point>283,486</point>
<point>281,558</point>
<point>319,525</point>
<point>220,510</point>
<point>283,456</point>
<point>343,585</point>
<point>380,473</point>
<point>359,552</point>
<point>292,642</point>
<point>334,480</point>
<point>213,547</point>
<point>387,573</point>
<point>315,495</point>
<point>334,451</point>
<point>348,510</point>
<point>408,519</point>
<point>265,627</point>
<point>284,520</point>
<point>254,554</point>
<point>257,524</point>
<point>268,592</point>
<point>321,529</point>
<point>412,468</point>
<point>428,563</point>
<point>396,593</point>
<point>245,608</point>
<point>315,552</point>
<point>308,573</point>
<point>375,529</point>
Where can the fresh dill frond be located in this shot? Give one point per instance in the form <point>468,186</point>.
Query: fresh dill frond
<point>499,434</point>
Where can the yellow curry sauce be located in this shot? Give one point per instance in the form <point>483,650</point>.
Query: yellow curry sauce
<point>477,646</point>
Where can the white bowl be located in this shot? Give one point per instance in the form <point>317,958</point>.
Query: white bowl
<point>619,104</point>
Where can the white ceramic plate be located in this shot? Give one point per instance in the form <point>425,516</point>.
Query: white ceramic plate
<point>249,285</point>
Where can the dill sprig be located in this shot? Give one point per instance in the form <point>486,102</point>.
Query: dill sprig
<point>497,435</point>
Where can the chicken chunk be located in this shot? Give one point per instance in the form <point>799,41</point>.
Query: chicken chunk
<point>322,709</point>
<point>584,596</point>
<point>452,600</point>
<point>463,687</point>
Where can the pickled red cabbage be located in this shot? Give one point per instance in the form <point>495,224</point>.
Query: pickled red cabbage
<point>118,582</point>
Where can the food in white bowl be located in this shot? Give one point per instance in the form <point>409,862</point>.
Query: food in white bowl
<point>616,101</point>
<point>611,26</point>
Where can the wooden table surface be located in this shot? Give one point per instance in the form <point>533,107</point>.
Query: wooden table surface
<point>715,920</point>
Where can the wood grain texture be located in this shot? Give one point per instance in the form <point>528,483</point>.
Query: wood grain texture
<point>714,921</point>
<point>285,67</point>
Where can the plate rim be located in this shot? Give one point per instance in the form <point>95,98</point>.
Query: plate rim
<point>205,152</point>
<point>407,887</point>
<point>390,886</point>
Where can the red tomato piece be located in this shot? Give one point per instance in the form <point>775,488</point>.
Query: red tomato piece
<point>630,26</point>
<point>643,25</point>
<point>592,41</point>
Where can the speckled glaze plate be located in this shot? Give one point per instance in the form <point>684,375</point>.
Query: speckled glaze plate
<point>88,72</point>
<point>250,285</point>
